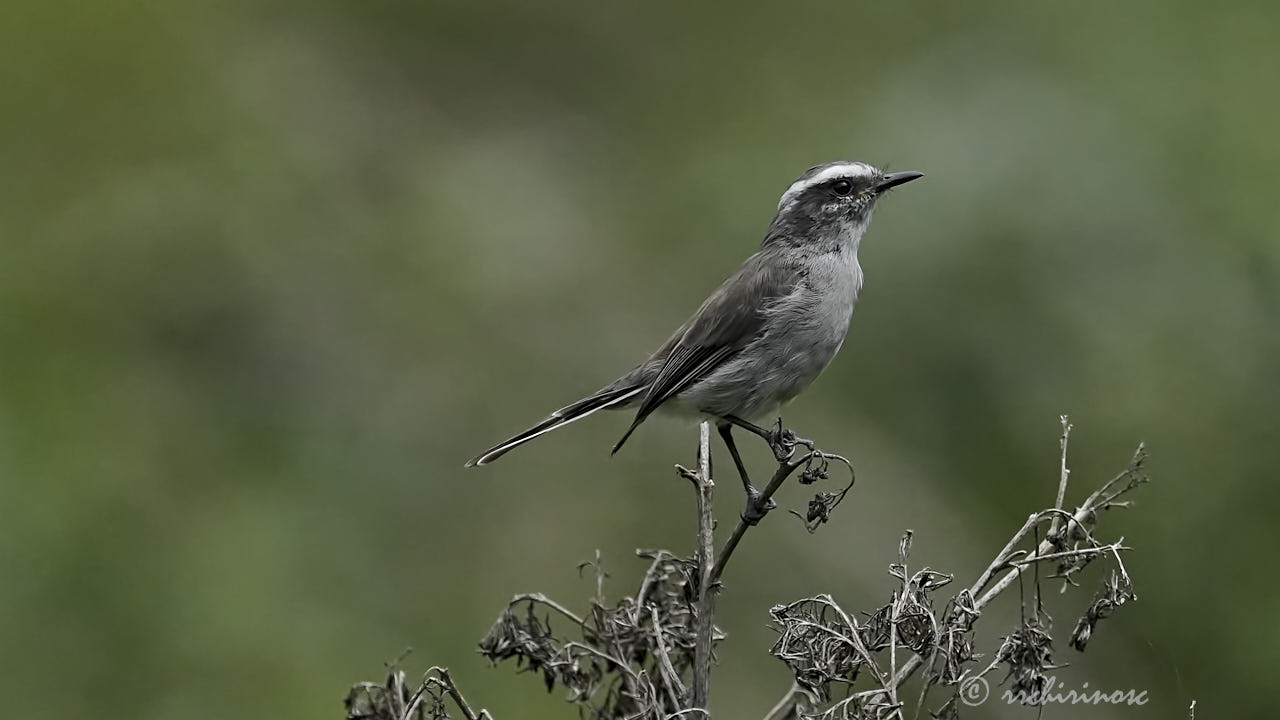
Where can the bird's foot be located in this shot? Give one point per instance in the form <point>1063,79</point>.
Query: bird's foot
<point>783,442</point>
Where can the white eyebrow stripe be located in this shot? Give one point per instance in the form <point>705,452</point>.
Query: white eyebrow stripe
<point>850,170</point>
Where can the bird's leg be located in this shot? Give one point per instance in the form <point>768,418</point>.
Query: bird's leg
<point>781,441</point>
<point>726,432</point>
<point>766,435</point>
<point>755,509</point>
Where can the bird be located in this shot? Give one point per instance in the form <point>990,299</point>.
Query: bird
<point>767,332</point>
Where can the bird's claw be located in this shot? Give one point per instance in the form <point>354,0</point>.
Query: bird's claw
<point>784,442</point>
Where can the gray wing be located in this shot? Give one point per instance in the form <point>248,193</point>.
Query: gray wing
<point>727,322</point>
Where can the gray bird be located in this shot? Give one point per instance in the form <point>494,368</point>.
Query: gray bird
<point>767,331</point>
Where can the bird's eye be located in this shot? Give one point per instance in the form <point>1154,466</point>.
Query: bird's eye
<point>842,187</point>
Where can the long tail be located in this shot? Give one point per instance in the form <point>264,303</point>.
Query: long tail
<point>565,415</point>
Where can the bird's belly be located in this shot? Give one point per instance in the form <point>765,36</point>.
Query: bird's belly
<point>770,371</point>
<point>804,332</point>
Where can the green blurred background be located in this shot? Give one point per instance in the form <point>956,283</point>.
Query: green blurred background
<point>271,271</point>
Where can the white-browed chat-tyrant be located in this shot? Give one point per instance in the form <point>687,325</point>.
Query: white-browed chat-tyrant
<point>768,330</point>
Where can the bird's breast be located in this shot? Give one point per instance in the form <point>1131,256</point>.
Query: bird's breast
<point>833,282</point>
<point>811,324</point>
<point>802,333</point>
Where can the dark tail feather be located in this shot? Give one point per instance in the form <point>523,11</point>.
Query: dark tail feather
<point>634,424</point>
<point>559,418</point>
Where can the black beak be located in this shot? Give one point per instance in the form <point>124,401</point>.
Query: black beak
<point>895,179</point>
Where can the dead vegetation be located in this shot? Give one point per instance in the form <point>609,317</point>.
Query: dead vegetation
<point>649,655</point>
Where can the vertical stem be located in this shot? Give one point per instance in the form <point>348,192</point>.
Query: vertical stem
<point>1063,474</point>
<point>704,556</point>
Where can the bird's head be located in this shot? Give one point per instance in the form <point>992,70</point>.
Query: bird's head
<point>832,203</point>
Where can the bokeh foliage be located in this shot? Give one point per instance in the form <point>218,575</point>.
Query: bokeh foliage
<point>271,271</point>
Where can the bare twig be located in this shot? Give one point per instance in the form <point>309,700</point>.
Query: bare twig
<point>1063,471</point>
<point>784,471</point>
<point>541,599</point>
<point>786,706</point>
<point>647,582</point>
<point>1002,558</point>
<point>704,561</point>
<point>675,688</point>
<point>391,700</point>
<point>452,689</point>
<point>1072,554</point>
